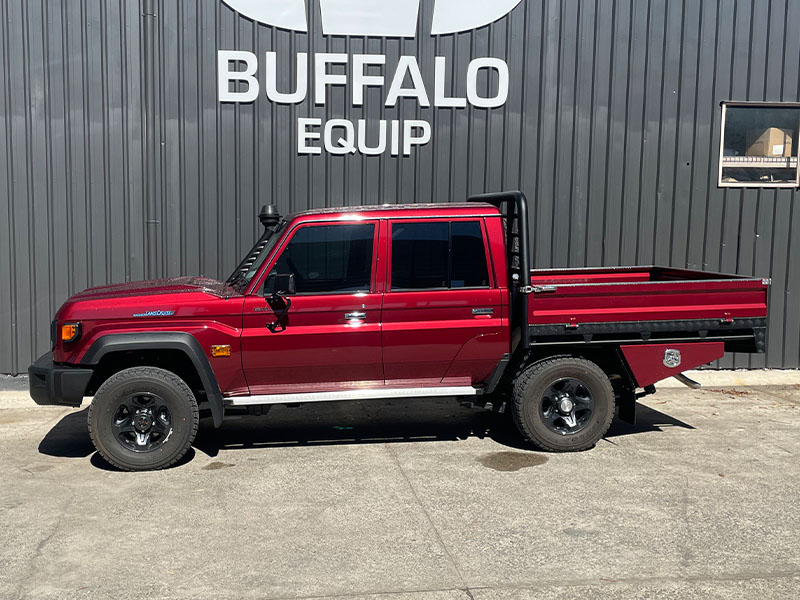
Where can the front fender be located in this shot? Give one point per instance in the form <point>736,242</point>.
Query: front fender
<point>164,340</point>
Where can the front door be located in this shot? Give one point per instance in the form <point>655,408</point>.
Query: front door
<point>331,336</point>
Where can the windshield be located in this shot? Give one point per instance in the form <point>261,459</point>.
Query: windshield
<point>252,262</point>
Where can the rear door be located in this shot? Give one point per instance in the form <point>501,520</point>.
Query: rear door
<point>331,337</point>
<point>441,310</point>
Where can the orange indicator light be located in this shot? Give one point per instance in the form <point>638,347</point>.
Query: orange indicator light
<point>70,332</point>
<point>218,351</point>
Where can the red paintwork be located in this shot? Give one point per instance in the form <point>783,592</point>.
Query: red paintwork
<point>497,251</point>
<point>318,344</point>
<point>408,338</point>
<point>200,309</point>
<point>646,362</point>
<point>424,331</point>
<point>540,278</point>
<point>585,296</point>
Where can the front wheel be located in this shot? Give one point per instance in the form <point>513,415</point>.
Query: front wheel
<point>563,404</point>
<point>143,418</point>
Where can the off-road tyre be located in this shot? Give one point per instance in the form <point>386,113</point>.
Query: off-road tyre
<point>535,383</point>
<point>176,401</point>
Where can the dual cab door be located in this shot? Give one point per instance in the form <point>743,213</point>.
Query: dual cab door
<point>397,303</point>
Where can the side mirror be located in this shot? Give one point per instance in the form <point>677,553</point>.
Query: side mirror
<point>279,300</point>
<point>284,284</point>
<point>279,285</point>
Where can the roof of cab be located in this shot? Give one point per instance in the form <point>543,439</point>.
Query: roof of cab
<point>389,211</point>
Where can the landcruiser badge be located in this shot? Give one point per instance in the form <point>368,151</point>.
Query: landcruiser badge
<point>156,313</point>
<point>672,358</point>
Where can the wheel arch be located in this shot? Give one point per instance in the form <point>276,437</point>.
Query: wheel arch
<point>188,361</point>
<point>608,358</point>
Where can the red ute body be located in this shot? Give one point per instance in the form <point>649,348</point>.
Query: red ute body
<point>414,338</point>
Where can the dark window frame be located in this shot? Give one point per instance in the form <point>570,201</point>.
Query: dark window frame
<point>486,255</point>
<point>725,105</point>
<point>300,226</point>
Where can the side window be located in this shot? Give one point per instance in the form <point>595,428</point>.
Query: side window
<point>468,255</point>
<point>328,259</point>
<point>438,255</point>
<point>419,255</point>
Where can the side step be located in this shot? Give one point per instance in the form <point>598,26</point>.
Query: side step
<point>355,394</point>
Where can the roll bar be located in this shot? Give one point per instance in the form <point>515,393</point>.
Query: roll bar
<point>514,207</point>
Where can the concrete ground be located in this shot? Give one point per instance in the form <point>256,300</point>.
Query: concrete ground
<point>426,500</point>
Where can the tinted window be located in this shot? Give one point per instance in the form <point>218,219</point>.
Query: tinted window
<point>419,255</point>
<point>438,255</point>
<point>328,258</point>
<point>468,255</point>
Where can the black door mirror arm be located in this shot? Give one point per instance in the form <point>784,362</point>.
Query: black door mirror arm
<point>281,312</point>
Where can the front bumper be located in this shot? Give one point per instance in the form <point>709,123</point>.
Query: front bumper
<point>52,384</point>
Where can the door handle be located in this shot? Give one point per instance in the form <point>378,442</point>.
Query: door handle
<point>355,316</point>
<point>482,312</point>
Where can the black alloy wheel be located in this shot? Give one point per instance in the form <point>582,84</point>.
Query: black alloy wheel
<point>567,406</point>
<point>143,422</point>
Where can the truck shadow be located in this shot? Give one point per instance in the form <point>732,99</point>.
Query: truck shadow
<point>341,423</point>
<point>391,421</point>
<point>69,438</point>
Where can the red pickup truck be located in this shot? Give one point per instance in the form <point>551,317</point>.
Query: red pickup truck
<point>383,302</point>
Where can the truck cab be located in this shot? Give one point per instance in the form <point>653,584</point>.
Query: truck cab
<point>388,301</point>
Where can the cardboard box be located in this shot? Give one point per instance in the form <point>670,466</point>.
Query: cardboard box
<point>769,142</point>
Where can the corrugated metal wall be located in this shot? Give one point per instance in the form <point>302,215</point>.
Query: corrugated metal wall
<point>118,162</point>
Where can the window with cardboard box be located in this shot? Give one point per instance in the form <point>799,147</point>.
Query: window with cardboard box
<point>759,145</point>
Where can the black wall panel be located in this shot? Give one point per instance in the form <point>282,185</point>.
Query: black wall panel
<point>117,162</point>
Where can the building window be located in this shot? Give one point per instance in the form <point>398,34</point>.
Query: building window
<point>759,145</point>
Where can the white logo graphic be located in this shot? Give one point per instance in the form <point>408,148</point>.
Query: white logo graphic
<point>389,18</point>
<point>672,358</point>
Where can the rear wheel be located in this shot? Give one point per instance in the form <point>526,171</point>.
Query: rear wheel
<point>143,418</point>
<point>563,404</point>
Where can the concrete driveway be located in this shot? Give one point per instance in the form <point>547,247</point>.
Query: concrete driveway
<point>426,500</point>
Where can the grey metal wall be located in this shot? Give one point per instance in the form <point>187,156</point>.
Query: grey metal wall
<point>118,163</point>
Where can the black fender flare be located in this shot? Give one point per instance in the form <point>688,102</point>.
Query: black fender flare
<point>164,340</point>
